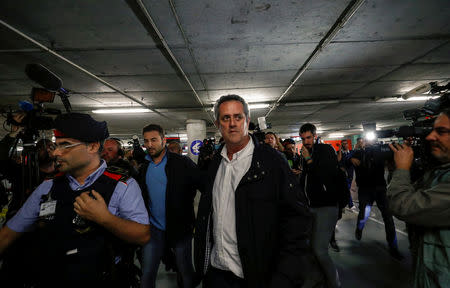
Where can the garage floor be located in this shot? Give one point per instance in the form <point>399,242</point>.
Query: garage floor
<point>364,263</point>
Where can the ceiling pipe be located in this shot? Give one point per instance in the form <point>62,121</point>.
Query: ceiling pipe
<point>59,56</point>
<point>337,26</point>
<point>186,42</point>
<point>167,49</point>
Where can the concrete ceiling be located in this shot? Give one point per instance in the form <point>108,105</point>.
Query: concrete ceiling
<point>251,48</point>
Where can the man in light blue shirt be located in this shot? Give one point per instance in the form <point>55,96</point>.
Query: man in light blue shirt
<point>168,184</point>
<point>156,182</point>
<point>82,212</point>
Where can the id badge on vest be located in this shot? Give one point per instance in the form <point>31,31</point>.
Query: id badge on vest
<point>48,207</point>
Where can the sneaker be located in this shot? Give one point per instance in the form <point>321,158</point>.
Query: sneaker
<point>358,234</point>
<point>334,245</point>
<point>395,253</point>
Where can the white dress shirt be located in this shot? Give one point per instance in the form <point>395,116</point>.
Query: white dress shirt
<point>224,254</point>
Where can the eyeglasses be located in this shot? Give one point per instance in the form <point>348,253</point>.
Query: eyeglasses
<point>64,146</point>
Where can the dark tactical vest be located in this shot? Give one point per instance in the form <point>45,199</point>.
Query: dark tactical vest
<point>74,251</point>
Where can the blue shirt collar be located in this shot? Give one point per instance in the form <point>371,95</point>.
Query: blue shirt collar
<point>74,185</point>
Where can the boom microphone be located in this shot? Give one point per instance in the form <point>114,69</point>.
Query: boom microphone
<point>43,77</point>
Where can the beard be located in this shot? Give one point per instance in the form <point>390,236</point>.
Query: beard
<point>440,152</point>
<point>157,153</point>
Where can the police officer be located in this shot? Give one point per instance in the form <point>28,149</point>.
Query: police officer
<point>84,214</point>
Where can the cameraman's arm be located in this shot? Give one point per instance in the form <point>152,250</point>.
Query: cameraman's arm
<point>423,207</point>
<point>5,145</point>
<point>8,141</point>
<point>427,206</point>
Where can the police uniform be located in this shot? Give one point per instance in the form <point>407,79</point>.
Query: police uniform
<point>75,251</point>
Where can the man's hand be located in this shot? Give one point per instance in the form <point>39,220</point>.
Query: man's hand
<point>403,155</point>
<point>296,171</point>
<point>92,209</point>
<point>14,128</point>
<point>355,162</point>
<point>305,152</point>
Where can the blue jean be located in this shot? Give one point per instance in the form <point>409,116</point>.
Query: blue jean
<point>153,251</point>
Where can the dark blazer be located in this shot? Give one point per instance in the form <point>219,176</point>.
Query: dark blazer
<point>322,176</point>
<point>182,175</point>
<point>272,222</point>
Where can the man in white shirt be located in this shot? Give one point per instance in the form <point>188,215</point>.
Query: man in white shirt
<point>253,222</point>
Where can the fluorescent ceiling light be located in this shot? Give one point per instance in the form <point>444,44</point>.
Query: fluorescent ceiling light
<point>258,106</point>
<point>121,110</point>
<point>336,135</point>
<point>418,98</point>
<point>412,98</point>
<point>312,103</point>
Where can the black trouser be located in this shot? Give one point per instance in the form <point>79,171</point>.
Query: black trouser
<point>216,278</point>
<point>368,195</point>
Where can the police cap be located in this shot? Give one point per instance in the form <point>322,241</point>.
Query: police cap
<point>81,127</point>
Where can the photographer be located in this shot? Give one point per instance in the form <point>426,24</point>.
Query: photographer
<point>425,204</point>
<point>22,185</point>
<point>369,171</point>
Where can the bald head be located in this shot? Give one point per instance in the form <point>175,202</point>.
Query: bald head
<point>175,147</point>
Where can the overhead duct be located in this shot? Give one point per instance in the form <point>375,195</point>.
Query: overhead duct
<point>91,75</point>
<point>141,12</point>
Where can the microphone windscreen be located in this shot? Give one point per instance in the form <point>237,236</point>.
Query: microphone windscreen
<point>43,77</point>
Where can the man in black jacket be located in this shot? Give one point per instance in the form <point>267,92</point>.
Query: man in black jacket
<point>369,171</point>
<point>253,222</point>
<point>167,182</point>
<point>320,181</point>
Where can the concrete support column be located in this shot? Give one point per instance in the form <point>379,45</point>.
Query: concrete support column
<point>196,132</point>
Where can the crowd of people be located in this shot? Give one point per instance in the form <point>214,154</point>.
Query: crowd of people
<point>266,217</point>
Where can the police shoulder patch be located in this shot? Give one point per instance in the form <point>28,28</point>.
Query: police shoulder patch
<point>117,173</point>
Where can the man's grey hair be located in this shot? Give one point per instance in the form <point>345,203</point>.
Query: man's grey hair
<point>231,97</point>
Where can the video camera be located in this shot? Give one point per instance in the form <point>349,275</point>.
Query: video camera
<point>208,147</point>
<point>257,129</point>
<point>37,117</point>
<point>415,133</point>
<point>206,152</point>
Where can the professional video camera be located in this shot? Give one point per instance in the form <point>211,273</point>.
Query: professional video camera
<point>206,152</point>
<point>36,119</point>
<point>257,129</point>
<point>138,153</point>
<point>208,147</point>
<point>415,133</point>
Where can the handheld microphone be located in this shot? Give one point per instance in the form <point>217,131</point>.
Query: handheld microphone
<point>43,77</point>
